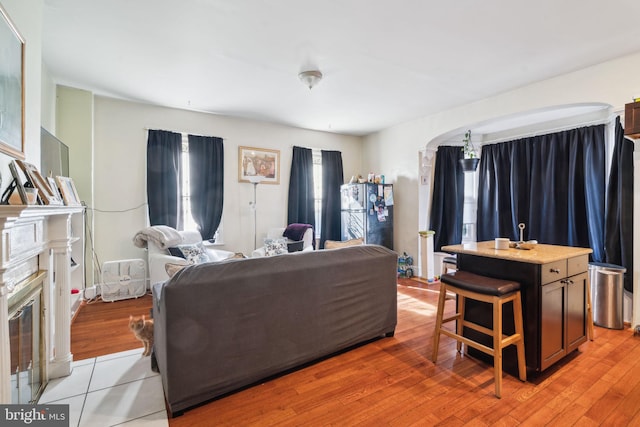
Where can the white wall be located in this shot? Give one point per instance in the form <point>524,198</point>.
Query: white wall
<point>48,101</point>
<point>74,126</point>
<point>613,83</point>
<point>120,138</point>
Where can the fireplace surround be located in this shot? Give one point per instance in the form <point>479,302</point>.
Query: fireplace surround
<point>26,318</point>
<point>36,277</point>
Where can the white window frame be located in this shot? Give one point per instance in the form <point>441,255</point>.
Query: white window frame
<point>188,223</point>
<point>470,207</point>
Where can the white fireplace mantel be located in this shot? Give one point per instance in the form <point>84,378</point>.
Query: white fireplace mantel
<point>35,239</point>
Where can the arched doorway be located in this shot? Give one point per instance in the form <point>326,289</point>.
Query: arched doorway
<point>511,127</point>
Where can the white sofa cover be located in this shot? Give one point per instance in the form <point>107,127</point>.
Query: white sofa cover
<point>277,233</point>
<point>158,257</point>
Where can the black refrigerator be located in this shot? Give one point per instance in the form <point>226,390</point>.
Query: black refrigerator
<point>367,212</point>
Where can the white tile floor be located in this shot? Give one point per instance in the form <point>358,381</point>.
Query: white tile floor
<point>115,390</point>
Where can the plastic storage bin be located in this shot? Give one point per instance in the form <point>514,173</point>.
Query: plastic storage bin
<point>123,279</point>
<point>607,292</point>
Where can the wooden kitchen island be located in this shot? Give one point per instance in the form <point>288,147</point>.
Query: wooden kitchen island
<point>554,285</point>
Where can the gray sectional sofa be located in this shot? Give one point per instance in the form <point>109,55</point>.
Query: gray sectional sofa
<point>223,326</point>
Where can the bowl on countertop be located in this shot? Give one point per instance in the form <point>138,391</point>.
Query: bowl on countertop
<point>526,245</point>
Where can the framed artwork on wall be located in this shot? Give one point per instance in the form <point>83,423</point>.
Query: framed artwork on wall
<point>11,88</point>
<point>259,162</point>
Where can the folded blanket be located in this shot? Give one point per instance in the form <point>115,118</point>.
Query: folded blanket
<point>296,232</point>
<point>162,235</point>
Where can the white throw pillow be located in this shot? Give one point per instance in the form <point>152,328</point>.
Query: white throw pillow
<point>275,247</point>
<point>195,253</point>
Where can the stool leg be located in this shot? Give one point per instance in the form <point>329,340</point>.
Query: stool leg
<point>459,326</point>
<point>497,345</point>
<point>439,314</point>
<point>517,314</point>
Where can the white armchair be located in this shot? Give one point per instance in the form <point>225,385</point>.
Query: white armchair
<point>277,233</point>
<point>158,257</point>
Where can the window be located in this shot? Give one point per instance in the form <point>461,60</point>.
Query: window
<point>317,188</point>
<point>470,207</point>
<point>188,222</point>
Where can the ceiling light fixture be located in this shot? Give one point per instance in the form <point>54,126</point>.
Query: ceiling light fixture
<point>310,78</point>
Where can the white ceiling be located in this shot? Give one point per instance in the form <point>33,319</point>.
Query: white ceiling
<point>384,62</point>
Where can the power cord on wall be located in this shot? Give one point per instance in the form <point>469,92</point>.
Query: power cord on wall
<point>94,256</point>
<point>118,211</point>
<point>90,300</point>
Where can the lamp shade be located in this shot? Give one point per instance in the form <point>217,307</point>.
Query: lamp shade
<point>255,179</point>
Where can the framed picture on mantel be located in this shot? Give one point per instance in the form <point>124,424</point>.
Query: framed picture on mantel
<point>68,190</point>
<point>48,195</point>
<point>11,88</point>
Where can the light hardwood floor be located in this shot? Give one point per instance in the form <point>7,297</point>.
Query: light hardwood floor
<point>393,382</point>
<point>102,328</point>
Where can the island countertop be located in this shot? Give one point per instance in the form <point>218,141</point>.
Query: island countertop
<point>540,254</point>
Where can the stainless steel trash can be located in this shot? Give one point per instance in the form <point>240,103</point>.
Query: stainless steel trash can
<point>607,291</point>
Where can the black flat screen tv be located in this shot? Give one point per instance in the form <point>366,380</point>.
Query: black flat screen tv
<point>54,155</point>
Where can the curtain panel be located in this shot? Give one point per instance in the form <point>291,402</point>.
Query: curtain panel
<point>619,211</point>
<point>448,197</point>
<point>206,181</point>
<point>301,194</point>
<point>163,178</point>
<point>554,184</point>
<point>332,179</point>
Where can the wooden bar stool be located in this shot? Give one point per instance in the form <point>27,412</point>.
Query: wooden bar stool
<point>492,291</point>
<point>449,263</point>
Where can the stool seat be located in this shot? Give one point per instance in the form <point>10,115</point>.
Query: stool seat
<point>480,284</point>
<point>450,260</point>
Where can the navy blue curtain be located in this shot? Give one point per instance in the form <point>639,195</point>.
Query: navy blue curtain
<point>206,181</point>
<point>554,184</point>
<point>448,197</point>
<point>163,178</point>
<point>332,179</point>
<point>499,188</point>
<point>301,193</point>
<point>619,213</point>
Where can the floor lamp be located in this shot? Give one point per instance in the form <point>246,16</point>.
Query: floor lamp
<point>255,180</point>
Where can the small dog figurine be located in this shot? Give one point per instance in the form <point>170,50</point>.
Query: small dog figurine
<point>143,330</point>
